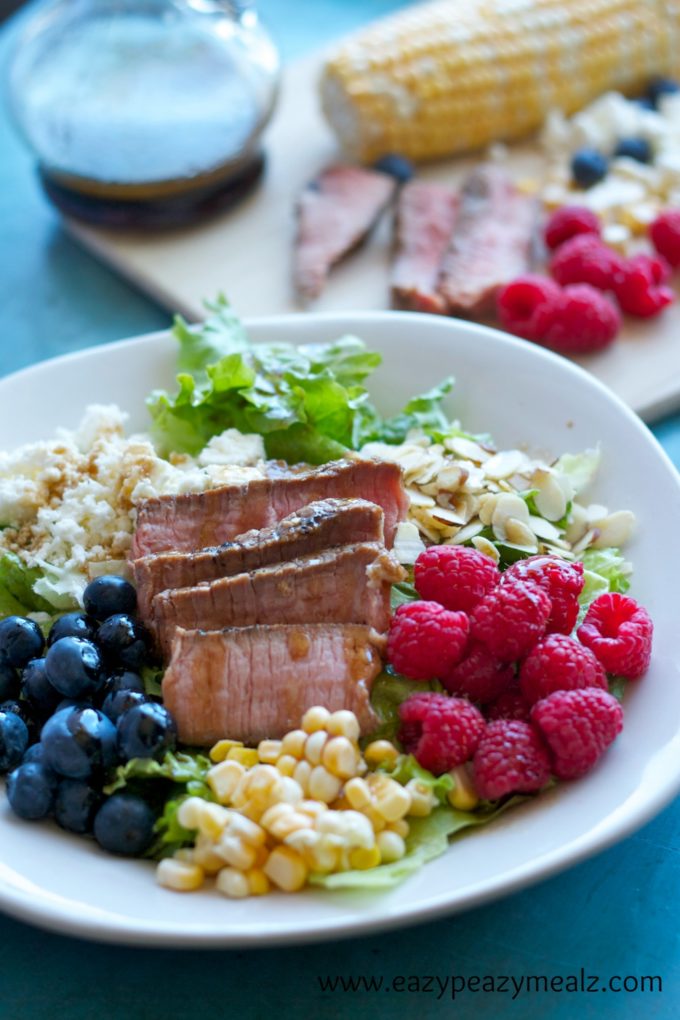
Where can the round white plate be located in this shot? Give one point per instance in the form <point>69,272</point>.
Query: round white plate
<point>519,393</point>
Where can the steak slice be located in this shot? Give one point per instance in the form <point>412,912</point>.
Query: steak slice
<point>256,682</point>
<point>335,213</point>
<point>426,215</point>
<point>320,525</point>
<point>491,244</point>
<point>350,584</point>
<point>194,520</point>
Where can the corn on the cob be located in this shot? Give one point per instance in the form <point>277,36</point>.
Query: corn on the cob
<point>450,76</point>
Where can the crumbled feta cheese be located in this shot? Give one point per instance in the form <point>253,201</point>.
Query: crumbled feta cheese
<point>67,505</point>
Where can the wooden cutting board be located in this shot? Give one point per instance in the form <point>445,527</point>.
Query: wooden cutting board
<point>245,253</point>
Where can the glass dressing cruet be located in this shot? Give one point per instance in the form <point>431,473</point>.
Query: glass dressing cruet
<point>145,113</point>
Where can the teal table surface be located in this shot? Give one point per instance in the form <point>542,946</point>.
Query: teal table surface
<point>612,918</point>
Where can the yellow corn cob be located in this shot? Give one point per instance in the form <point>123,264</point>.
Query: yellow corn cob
<point>454,75</point>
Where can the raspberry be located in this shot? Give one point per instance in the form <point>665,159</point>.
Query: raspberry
<point>559,663</point>
<point>441,732</point>
<point>518,302</point>
<point>511,758</point>
<point>665,235</point>
<point>618,630</point>
<point>639,289</point>
<point>561,580</point>
<point>580,321</point>
<point>511,704</point>
<point>511,619</point>
<point>479,676</point>
<point>426,640</point>
<point>577,726</point>
<point>455,576</point>
<point>585,259</point>
<point>569,221</point>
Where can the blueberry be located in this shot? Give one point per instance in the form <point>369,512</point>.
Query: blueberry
<point>659,87</point>
<point>108,595</point>
<point>30,790</point>
<point>36,752</point>
<point>9,681</point>
<point>23,710</point>
<point>20,640</point>
<point>13,740</point>
<point>73,665</point>
<point>123,641</point>
<point>79,741</point>
<point>644,103</point>
<point>117,702</point>
<point>634,148</point>
<point>588,166</point>
<point>396,166</point>
<point>124,825</point>
<point>37,689</point>
<point>145,731</point>
<point>75,805</point>
<point>72,625</point>
<point>123,680</point>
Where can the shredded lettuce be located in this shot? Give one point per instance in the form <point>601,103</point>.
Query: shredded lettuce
<point>579,468</point>
<point>185,767</point>
<point>611,565</point>
<point>17,588</point>
<point>388,691</point>
<point>406,768</point>
<point>308,403</point>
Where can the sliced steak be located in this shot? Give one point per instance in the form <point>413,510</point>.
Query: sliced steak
<point>195,520</point>
<point>335,213</point>
<point>350,584</point>
<point>491,244</point>
<point>426,215</point>
<point>317,526</point>
<point>256,682</point>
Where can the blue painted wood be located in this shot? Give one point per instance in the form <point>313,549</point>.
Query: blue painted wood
<point>613,915</point>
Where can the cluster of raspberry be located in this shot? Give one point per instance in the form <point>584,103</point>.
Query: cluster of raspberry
<point>527,699</point>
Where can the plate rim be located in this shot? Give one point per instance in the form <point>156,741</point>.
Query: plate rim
<point>111,928</point>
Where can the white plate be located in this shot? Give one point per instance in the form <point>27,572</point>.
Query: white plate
<point>519,393</point>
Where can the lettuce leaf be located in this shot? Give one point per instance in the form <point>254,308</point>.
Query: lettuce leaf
<point>406,768</point>
<point>17,594</point>
<point>579,468</point>
<point>611,565</point>
<point>428,838</point>
<point>308,403</point>
<point>388,691</point>
<point>185,767</point>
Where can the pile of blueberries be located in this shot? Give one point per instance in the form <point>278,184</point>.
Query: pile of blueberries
<point>72,708</point>
<point>589,166</point>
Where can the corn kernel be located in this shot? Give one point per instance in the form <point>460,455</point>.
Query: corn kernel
<point>261,855</point>
<point>322,785</point>
<point>236,852</point>
<point>381,752</point>
<point>351,828</point>
<point>269,751</point>
<point>464,795</point>
<point>261,784</point>
<point>294,743</point>
<point>303,771</point>
<point>401,827</point>
<point>422,798</point>
<point>282,826</point>
<point>246,829</point>
<point>233,883</point>
<point>185,854</point>
<point>179,875</point>
<point>247,756</point>
<point>340,756</point>
<point>286,764</point>
<point>358,794</point>
<point>289,790</point>
<point>212,820</point>
<point>314,746</point>
<point>206,856</point>
<point>224,778</point>
<point>363,859</point>
<point>391,846</point>
<point>286,869</point>
<point>222,748</point>
<point>344,724</point>
<point>315,719</point>
<point>189,811</point>
<point>313,808</point>
<point>258,883</point>
<point>392,800</point>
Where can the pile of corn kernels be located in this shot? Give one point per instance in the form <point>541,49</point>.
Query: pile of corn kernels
<point>309,803</point>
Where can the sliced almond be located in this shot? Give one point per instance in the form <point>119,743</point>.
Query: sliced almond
<point>596,512</point>
<point>486,547</point>
<point>447,516</point>
<point>408,545</point>
<point>452,476</point>
<point>466,533</point>
<point>419,499</point>
<point>616,529</point>
<point>544,529</point>
<point>550,499</point>
<point>508,506</point>
<point>468,449</point>
<point>589,537</point>
<point>487,506</point>
<point>578,523</point>
<point>520,534</point>
<point>504,464</point>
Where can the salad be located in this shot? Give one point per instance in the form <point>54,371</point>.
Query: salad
<point>469,649</point>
